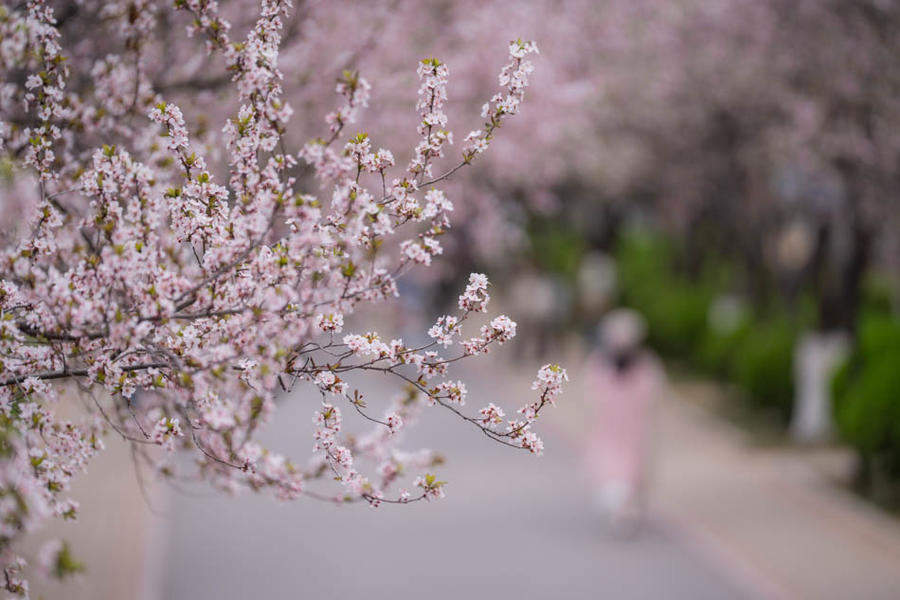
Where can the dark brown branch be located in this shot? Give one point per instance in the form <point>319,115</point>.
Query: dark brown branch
<point>64,374</point>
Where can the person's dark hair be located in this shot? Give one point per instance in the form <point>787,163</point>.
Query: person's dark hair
<point>622,360</point>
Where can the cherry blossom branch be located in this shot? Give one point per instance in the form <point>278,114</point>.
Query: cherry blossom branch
<point>190,280</point>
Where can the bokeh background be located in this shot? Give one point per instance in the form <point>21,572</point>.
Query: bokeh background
<point>727,168</point>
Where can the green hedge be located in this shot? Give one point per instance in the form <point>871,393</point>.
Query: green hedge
<point>720,349</point>
<point>556,248</point>
<point>676,310</point>
<point>866,392</point>
<point>762,363</point>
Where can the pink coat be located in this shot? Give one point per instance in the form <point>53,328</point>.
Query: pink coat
<point>619,445</point>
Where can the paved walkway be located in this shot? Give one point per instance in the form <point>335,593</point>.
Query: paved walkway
<point>775,514</point>
<point>773,517</point>
<point>512,526</point>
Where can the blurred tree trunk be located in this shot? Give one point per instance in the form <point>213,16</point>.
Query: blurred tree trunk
<point>846,255</point>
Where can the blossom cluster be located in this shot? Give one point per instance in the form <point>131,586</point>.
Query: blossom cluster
<point>178,289</point>
<point>514,79</point>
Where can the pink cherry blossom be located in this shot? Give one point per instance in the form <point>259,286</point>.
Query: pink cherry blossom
<point>183,274</point>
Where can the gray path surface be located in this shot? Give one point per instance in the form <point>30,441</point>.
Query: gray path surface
<point>512,527</point>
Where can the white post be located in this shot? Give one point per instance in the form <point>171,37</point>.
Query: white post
<point>815,358</point>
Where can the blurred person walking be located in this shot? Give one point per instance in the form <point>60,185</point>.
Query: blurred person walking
<point>540,302</point>
<point>626,381</point>
<point>596,287</point>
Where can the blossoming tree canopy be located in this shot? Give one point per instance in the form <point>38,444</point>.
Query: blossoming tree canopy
<point>178,289</point>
